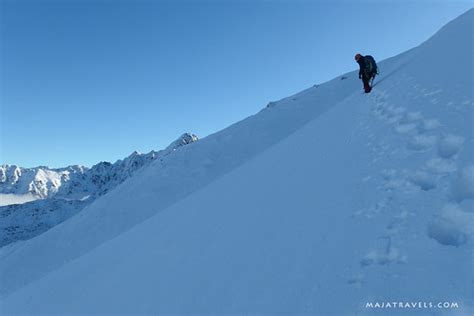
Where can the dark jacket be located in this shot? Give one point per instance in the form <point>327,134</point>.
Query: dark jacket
<point>362,65</point>
<point>363,69</point>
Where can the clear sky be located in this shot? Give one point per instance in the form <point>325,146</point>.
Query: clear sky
<point>88,81</point>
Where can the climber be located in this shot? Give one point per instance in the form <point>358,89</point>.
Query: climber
<point>368,70</point>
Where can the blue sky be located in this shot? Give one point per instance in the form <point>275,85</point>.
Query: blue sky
<point>88,81</point>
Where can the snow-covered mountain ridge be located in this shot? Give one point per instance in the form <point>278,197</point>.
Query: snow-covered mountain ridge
<point>39,181</point>
<point>77,182</point>
<point>316,205</point>
<point>64,192</point>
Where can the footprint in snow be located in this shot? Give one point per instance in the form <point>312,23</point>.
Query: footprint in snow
<point>453,225</point>
<point>424,180</point>
<point>429,125</point>
<point>386,256</point>
<point>462,187</point>
<point>449,145</point>
<point>421,142</point>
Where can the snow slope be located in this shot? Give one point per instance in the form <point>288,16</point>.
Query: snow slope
<point>316,205</point>
<point>164,182</point>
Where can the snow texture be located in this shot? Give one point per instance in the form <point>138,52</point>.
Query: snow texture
<point>9,199</point>
<point>318,204</point>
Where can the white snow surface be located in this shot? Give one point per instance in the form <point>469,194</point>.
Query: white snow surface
<point>41,182</point>
<point>10,199</point>
<point>318,204</point>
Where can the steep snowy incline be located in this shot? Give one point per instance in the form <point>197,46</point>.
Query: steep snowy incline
<point>370,201</point>
<point>166,181</point>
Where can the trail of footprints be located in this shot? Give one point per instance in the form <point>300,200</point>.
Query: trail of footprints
<point>452,225</point>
